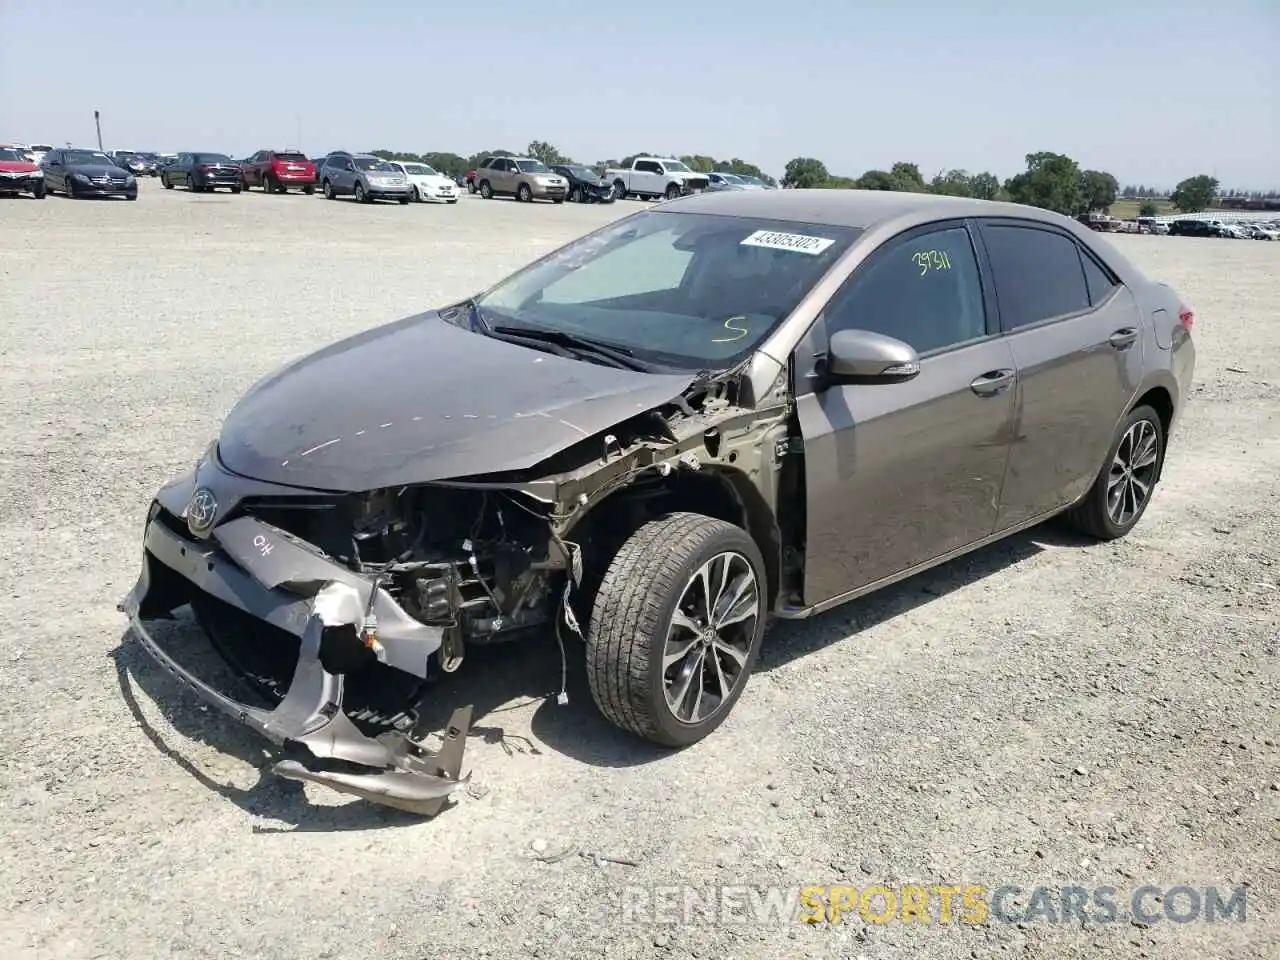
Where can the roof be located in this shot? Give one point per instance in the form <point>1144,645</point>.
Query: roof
<point>850,208</point>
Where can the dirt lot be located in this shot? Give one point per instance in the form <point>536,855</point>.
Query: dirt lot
<point>1042,713</point>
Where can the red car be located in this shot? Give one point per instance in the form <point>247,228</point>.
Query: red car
<point>275,171</point>
<point>19,175</point>
<point>470,181</point>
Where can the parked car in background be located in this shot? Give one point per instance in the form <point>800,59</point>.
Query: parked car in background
<point>38,151</point>
<point>724,181</point>
<point>133,161</point>
<point>524,178</point>
<point>469,179</point>
<point>86,173</point>
<point>19,175</point>
<point>654,177</point>
<point>203,173</point>
<point>364,177</point>
<point>1196,228</point>
<point>276,171</point>
<point>755,182</point>
<point>585,185</point>
<point>427,182</point>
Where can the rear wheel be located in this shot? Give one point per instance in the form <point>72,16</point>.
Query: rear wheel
<point>268,184</point>
<point>166,182</point>
<point>309,189</point>
<point>1120,494</point>
<point>39,191</point>
<point>676,627</point>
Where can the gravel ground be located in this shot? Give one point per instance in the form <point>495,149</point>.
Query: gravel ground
<point>1045,712</point>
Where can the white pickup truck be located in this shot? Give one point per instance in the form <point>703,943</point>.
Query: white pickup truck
<point>652,177</point>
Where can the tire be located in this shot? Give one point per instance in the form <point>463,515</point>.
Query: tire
<point>454,200</point>
<point>524,194</point>
<point>166,182</point>
<point>619,190</point>
<point>131,196</point>
<point>405,201</point>
<point>309,190</point>
<point>575,195</point>
<point>673,191</point>
<point>486,190</point>
<point>471,186</point>
<point>39,190</point>
<point>267,186</point>
<point>417,196</point>
<point>327,189</point>
<point>235,189</point>
<point>652,574</point>
<point>359,194</point>
<point>1136,454</point>
<point>70,188</point>
<point>191,185</point>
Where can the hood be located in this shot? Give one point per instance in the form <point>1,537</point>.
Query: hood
<point>95,169</point>
<point>18,166</point>
<point>420,400</point>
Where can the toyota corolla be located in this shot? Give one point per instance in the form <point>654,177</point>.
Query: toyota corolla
<point>729,408</point>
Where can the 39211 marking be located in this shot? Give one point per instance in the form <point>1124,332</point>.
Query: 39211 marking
<point>928,260</point>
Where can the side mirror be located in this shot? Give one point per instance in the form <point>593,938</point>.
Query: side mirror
<point>860,356</point>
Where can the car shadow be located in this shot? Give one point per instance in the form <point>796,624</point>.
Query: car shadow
<point>502,678</point>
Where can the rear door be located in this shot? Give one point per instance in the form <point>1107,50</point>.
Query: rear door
<point>1076,336</point>
<point>898,474</point>
<point>648,177</point>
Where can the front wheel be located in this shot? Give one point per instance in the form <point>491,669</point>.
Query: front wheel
<point>166,183</point>
<point>39,190</point>
<point>327,187</point>
<point>1120,494</point>
<point>673,191</point>
<point>360,195</point>
<point>471,186</point>
<point>309,190</point>
<point>676,627</point>
<point>575,195</point>
<point>486,190</point>
<point>619,190</point>
<point>524,194</point>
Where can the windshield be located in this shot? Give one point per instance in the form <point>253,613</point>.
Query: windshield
<point>675,166</point>
<point>583,173</point>
<point>532,166</point>
<point>88,156</point>
<point>40,148</point>
<point>373,163</point>
<point>12,156</point>
<point>291,157</point>
<point>420,170</point>
<point>210,158</point>
<point>682,289</point>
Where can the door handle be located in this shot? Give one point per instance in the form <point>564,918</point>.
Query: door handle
<point>992,382</point>
<point>1123,338</point>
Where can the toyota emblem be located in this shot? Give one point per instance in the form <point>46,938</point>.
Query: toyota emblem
<point>202,508</point>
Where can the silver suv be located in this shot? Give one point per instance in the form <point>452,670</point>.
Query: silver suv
<point>521,177</point>
<point>365,177</point>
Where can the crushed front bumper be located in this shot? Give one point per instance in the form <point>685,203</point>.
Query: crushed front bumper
<point>393,768</point>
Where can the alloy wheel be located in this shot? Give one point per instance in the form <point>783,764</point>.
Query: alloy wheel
<point>1133,471</point>
<point>709,641</point>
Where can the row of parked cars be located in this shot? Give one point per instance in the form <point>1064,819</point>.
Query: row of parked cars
<point>528,179</point>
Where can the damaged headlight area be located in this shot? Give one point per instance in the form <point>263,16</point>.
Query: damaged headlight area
<point>337,610</point>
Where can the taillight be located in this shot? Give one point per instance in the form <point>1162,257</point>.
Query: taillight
<point>1186,318</point>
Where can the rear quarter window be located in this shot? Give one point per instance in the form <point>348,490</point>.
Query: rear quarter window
<point>1037,273</point>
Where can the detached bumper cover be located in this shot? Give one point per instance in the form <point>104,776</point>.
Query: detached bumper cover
<point>284,588</point>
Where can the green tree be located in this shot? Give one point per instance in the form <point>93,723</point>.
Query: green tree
<point>841,183</point>
<point>396,155</point>
<point>984,186</point>
<point>546,152</point>
<point>952,183</point>
<point>906,178</point>
<point>744,168</point>
<point>475,159</point>
<point>1195,193</point>
<point>1148,209</point>
<point>876,180</point>
<point>805,173</point>
<point>699,162</point>
<point>450,164</point>
<point>1097,191</point>
<point>1052,181</point>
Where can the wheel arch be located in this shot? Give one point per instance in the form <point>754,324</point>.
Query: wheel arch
<point>1159,396</point>
<point>720,491</point>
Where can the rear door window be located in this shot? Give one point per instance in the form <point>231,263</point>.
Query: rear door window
<point>1037,273</point>
<point>1099,281</point>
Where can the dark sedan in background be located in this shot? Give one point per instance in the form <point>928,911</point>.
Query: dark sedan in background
<point>87,173</point>
<point>585,185</point>
<point>203,173</point>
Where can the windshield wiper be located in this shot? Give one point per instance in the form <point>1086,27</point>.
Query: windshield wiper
<point>573,343</point>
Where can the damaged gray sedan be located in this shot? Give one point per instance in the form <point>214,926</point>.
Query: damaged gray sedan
<point>723,409</point>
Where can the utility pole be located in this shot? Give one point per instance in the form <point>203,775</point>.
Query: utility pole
<point>97,122</point>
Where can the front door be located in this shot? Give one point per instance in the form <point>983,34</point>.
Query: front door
<point>898,474</point>
<point>1077,338</point>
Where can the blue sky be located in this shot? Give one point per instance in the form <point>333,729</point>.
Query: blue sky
<point>1150,91</point>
